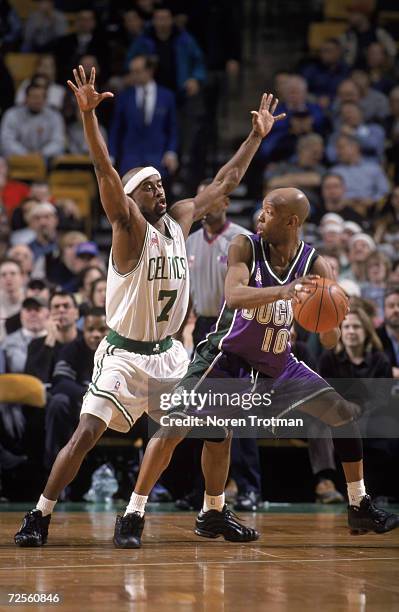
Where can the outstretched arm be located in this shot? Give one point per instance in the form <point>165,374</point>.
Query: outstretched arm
<point>230,175</point>
<point>128,224</point>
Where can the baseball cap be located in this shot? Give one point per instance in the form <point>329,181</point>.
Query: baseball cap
<point>331,227</point>
<point>353,227</point>
<point>332,218</point>
<point>37,284</point>
<point>34,302</point>
<point>87,248</point>
<point>365,238</point>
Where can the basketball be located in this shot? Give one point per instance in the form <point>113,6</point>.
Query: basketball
<point>322,309</point>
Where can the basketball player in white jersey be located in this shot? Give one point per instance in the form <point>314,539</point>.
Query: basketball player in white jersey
<point>146,301</point>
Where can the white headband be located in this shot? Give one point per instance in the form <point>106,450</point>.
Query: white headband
<point>139,178</point>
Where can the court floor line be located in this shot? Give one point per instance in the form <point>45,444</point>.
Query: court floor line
<point>172,563</point>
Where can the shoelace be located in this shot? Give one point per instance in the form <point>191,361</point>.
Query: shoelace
<point>378,513</point>
<point>233,515</point>
<point>128,522</point>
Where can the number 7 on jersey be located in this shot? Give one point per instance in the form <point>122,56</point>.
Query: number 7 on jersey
<point>172,295</point>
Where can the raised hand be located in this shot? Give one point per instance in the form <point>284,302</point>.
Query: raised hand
<point>87,97</point>
<point>263,119</point>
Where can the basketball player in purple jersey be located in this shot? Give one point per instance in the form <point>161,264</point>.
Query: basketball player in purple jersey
<point>266,271</point>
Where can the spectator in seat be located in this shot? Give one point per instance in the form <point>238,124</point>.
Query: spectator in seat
<point>10,28</point>
<point>23,225</point>
<point>86,39</point>
<point>305,173</point>
<point>360,247</point>
<point>379,67</point>
<point>370,136</point>
<point>324,74</point>
<point>388,332</point>
<point>44,219</point>
<point>61,328</point>
<point>365,180</point>
<point>63,266</point>
<point>98,293</point>
<point>35,288</point>
<point>357,90</point>
<point>24,256</point>
<point>42,27</point>
<point>359,355</point>
<point>32,128</point>
<point>181,66</point>
<point>86,279</point>
<point>300,124</point>
<point>144,130</point>
<point>333,200</point>
<point>378,268</point>
<point>71,378</point>
<point>123,36</point>
<point>360,34</point>
<point>45,67</point>
<point>34,315</point>
<point>12,291</point>
<point>294,99</point>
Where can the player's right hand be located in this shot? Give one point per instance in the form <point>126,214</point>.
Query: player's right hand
<point>302,285</point>
<point>87,97</point>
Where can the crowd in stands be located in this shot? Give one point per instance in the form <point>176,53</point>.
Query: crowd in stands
<point>168,65</point>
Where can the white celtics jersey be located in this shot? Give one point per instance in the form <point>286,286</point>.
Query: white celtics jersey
<point>150,302</point>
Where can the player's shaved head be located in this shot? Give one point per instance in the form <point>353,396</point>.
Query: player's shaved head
<point>289,201</point>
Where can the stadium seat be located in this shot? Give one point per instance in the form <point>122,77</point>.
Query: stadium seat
<point>27,167</point>
<point>22,389</point>
<point>321,31</point>
<point>23,8</point>
<point>70,161</point>
<point>71,19</point>
<point>74,178</point>
<point>339,9</point>
<point>21,66</point>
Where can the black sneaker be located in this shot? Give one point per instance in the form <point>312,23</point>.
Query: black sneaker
<point>368,517</point>
<point>213,524</point>
<point>247,502</point>
<point>128,530</point>
<point>34,529</point>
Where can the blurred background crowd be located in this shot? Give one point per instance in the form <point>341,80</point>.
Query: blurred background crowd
<point>185,75</point>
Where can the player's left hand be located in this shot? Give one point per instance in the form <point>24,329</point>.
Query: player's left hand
<point>264,119</point>
<point>86,96</point>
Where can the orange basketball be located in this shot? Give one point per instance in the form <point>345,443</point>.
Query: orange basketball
<point>322,309</point>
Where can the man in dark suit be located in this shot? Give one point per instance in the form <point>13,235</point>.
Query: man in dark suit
<point>389,331</point>
<point>143,130</point>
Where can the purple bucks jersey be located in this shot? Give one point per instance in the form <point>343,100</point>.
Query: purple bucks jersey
<point>261,336</point>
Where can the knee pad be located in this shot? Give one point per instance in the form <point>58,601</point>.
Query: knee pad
<point>348,442</point>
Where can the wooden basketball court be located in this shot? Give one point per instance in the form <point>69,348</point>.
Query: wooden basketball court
<point>304,561</point>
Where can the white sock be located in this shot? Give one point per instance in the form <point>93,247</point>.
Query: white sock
<point>45,505</point>
<point>136,504</point>
<point>213,502</point>
<point>356,492</point>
